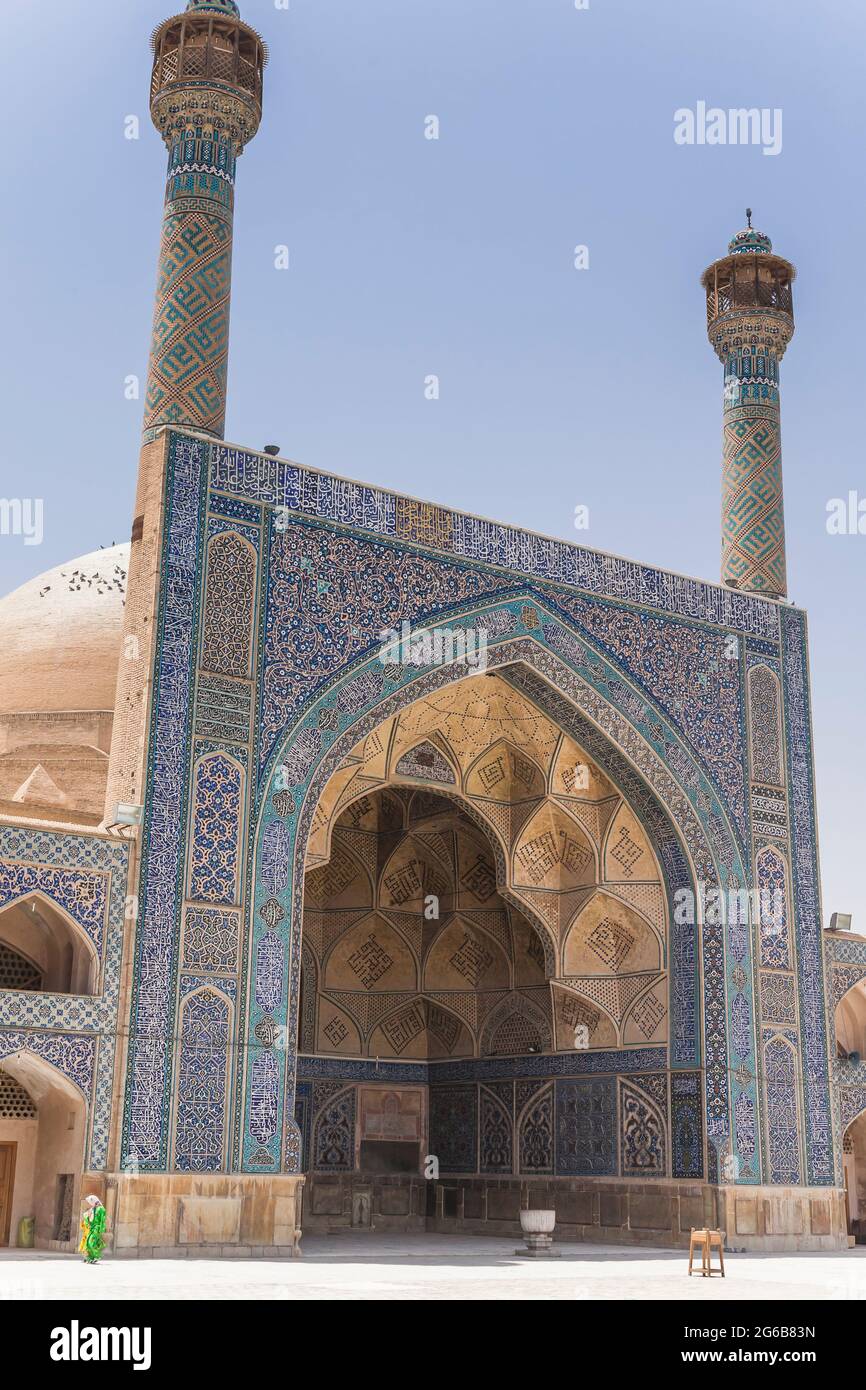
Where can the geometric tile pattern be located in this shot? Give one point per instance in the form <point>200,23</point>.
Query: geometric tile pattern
<point>778,997</point>
<point>764,705</point>
<point>496,1131</point>
<point>536,1134</point>
<point>750,323</point>
<point>228,617</point>
<point>274,482</point>
<point>586,1127</point>
<point>453,1127</point>
<point>334,1139</point>
<point>157,946</point>
<point>333,588</point>
<point>202,1081</point>
<point>210,939</point>
<point>686,1125</point>
<point>753,523</point>
<point>783,1128</point>
<point>805,893</point>
<point>216,812</point>
<point>642,1135</point>
<point>308,743</point>
<point>771,880</point>
<point>189,347</point>
<point>86,877</point>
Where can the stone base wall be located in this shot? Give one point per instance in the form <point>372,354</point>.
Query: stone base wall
<point>659,1213</point>
<point>246,1215</point>
<point>608,1211</point>
<point>361,1201</point>
<point>177,1215</point>
<point>784,1218</point>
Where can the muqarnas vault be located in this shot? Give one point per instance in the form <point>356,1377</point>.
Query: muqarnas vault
<point>302,929</point>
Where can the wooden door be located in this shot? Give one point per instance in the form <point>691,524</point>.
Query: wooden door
<point>7,1179</point>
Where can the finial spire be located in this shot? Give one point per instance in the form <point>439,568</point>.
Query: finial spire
<point>748,217</point>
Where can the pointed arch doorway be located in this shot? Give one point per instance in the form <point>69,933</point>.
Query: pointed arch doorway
<point>484,914</point>
<point>42,1135</point>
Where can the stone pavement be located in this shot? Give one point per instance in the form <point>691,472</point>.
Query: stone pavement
<point>436,1267</point>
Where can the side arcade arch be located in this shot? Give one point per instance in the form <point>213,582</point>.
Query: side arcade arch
<point>42,948</point>
<point>43,1130</point>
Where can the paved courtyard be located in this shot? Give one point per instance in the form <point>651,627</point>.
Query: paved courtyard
<point>436,1267</point>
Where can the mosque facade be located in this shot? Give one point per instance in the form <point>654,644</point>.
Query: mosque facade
<point>368,864</point>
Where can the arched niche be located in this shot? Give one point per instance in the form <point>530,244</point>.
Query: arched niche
<point>850,1021</point>
<point>43,949</point>
<point>854,1176</point>
<point>47,1149</point>
<point>682,842</point>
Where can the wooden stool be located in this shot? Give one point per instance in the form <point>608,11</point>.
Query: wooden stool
<point>706,1240</point>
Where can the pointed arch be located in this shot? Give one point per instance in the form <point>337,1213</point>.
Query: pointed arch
<point>334,1134</point>
<point>60,1059</point>
<point>633,741</point>
<point>42,932</point>
<point>46,1069</point>
<point>426,761</point>
<point>535,1137</point>
<point>643,1133</point>
<point>496,1128</point>
<point>515,1019</point>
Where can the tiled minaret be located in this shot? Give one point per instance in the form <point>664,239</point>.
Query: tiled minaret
<point>750,321</point>
<point>206,102</point>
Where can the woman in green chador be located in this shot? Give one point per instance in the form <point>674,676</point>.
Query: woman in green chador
<point>92,1231</point>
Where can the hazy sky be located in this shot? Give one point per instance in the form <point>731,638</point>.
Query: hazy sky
<point>454,257</point>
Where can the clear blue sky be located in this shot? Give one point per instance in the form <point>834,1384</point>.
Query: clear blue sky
<point>411,257</point>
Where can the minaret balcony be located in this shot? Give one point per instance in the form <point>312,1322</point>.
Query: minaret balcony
<point>748,282</point>
<point>203,48</point>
